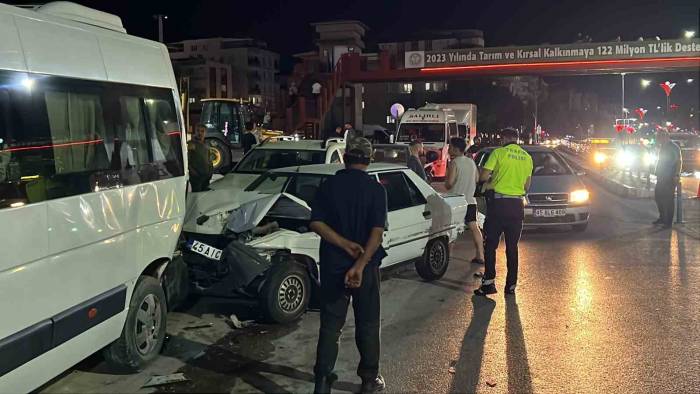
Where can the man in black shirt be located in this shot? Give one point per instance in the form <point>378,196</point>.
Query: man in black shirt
<point>349,213</point>
<point>414,163</point>
<point>248,141</point>
<point>668,172</point>
<point>199,162</point>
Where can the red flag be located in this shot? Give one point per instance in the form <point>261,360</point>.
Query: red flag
<point>630,129</point>
<point>641,112</point>
<point>667,87</point>
<point>619,127</point>
<point>674,107</point>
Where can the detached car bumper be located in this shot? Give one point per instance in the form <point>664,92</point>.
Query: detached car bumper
<point>572,215</point>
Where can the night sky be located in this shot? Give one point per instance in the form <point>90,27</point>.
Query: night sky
<point>284,25</point>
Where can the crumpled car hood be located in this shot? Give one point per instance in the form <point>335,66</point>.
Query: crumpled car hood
<point>249,214</point>
<point>225,195</point>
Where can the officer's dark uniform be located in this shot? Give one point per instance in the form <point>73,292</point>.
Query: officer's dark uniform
<point>511,165</point>
<point>667,172</point>
<point>200,166</point>
<point>352,203</point>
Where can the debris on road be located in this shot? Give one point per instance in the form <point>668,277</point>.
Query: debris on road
<point>240,324</point>
<point>190,328</point>
<point>165,379</point>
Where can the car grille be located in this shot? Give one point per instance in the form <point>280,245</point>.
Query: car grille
<point>548,199</point>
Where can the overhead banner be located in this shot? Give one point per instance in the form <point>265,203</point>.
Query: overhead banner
<point>553,53</point>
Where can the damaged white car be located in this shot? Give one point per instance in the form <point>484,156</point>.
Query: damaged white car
<point>268,252</point>
<point>207,211</point>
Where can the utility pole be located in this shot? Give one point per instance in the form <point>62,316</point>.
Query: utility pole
<point>160,18</point>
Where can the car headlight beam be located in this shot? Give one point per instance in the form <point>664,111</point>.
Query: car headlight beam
<point>579,196</point>
<point>600,157</point>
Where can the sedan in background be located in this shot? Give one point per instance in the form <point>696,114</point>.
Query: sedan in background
<point>557,196</point>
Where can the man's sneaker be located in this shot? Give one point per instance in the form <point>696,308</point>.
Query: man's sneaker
<point>373,385</point>
<point>658,221</point>
<point>509,289</point>
<point>485,290</point>
<point>324,384</point>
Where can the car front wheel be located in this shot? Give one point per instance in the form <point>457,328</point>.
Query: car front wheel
<point>144,331</point>
<point>435,261</point>
<point>285,296</point>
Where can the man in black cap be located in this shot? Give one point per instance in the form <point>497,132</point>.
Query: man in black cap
<point>349,213</point>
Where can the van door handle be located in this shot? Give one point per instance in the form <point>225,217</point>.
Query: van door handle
<point>427,214</point>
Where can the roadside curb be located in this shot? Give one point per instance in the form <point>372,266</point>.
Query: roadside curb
<point>619,188</point>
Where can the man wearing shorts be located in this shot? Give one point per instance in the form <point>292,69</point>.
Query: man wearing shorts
<point>461,178</point>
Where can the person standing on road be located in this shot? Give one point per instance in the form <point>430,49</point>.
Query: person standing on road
<point>350,132</point>
<point>349,214</point>
<point>462,177</point>
<point>414,163</point>
<point>199,162</point>
<point>248,141</point>
<point>509,169</point>
<point>668,173</point>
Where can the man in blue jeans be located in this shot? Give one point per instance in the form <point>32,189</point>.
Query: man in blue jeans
<point>349,214</point>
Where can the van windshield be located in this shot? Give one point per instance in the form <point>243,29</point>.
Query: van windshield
<point>423,132</point>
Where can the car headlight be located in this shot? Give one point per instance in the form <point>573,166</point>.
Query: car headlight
<point>600,157</point>
<point>624,159</point>
<point>650,159</point>
<point>579,196</point>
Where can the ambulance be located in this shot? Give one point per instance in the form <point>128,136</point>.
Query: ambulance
<point>434,125</point>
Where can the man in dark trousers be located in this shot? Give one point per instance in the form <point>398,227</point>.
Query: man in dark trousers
<point>668,173</point>
<point>199,163</point>
<point>508,170</point>
<point>349,213</point>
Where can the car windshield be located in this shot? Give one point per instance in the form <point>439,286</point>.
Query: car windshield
<point>423,132</point>
<point>303,186</point>
<point>261,160</point>
<point>391,154</point>
<point>548,163</point>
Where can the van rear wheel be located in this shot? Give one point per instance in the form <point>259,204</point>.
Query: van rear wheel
<point>144,331</point>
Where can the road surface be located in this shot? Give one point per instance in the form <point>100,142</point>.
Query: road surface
<point>615,309</point>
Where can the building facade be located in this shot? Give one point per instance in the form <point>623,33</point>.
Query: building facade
<point>253,69</point>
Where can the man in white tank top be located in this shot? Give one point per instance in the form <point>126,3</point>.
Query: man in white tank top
<point>461,178</point>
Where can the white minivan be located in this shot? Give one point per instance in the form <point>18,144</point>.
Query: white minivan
<point>92,191</point>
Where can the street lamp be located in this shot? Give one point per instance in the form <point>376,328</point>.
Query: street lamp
<point>689,34</point>
<point>645,83</point>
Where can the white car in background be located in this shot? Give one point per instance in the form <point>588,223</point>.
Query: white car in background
<point>208,210</point>
<point>269,252</point>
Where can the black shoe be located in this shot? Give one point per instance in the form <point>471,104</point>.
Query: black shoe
<point>323,384</point>
<point>477,261</point>
<point>373,385</point>
<point>485,290</point>
<point>509,290</point>
<point>658,221</point>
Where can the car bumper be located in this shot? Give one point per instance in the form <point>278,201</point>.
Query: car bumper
<point>574,215</point>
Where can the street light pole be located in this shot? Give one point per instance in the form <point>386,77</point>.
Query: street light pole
<point>624,115</point>
<point>160,18</point>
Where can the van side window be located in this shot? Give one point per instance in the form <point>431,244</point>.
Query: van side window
<point>453,129</point>
<point>462,130</point>
<point>63,137</point>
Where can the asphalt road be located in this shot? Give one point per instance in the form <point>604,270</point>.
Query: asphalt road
<point>615,309</point>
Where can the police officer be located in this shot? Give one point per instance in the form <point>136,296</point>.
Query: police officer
<point>509,169</point>
<point>199,161</point>
<point>668,172</point>
<point>349,213</point>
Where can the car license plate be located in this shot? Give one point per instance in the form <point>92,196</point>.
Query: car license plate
<point>549,213</point>
<point>207,251</point>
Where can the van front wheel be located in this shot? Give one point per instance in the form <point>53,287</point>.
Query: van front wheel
<point>144,331</point>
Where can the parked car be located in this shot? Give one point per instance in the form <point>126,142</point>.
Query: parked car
<point>268,251</point>
<point>557,196</point>
<point>391,153</point>
<point>207,210</point>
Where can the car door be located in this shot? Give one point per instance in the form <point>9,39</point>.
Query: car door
<point>408,221</point>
